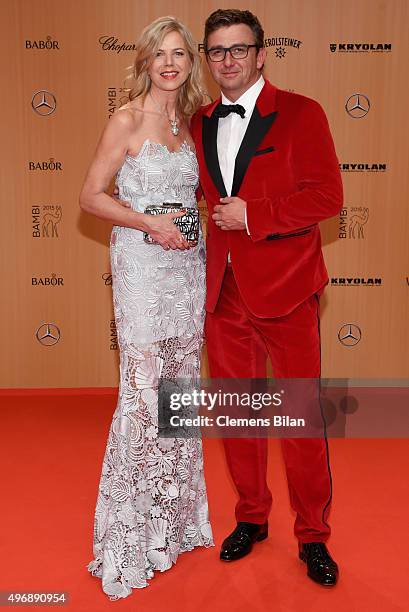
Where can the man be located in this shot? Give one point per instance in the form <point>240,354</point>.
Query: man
<point>269,173</point>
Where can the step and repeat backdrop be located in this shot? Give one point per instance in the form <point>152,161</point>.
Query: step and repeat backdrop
<point>63,66</point>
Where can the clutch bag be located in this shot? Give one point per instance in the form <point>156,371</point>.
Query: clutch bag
<point>188,224</point>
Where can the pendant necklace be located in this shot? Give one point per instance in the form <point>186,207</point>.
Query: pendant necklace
<point>174,128</point>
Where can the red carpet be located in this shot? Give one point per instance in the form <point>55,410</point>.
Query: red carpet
<point>51,452</point>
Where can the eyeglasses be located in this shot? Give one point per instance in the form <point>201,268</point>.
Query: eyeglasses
<point>218,54</point>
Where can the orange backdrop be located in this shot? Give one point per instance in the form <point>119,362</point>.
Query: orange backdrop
<point>63,71</point>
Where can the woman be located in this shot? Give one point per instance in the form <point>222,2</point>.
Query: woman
<point>152,501</point>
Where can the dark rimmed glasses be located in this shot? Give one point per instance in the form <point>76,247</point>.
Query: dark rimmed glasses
<point>217,54</point>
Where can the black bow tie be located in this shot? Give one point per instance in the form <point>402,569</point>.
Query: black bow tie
<point>222,110</point>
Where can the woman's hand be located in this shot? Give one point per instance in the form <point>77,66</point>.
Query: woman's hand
<point>164,231</point>
<point>160,227</point>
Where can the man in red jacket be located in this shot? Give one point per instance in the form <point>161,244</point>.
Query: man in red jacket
<point>269,173</point>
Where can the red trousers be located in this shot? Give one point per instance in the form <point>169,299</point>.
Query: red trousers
<point>238,344</point>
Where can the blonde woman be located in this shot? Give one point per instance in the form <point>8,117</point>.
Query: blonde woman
<point>152,502</point>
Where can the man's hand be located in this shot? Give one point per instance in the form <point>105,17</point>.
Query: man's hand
<point>230,214</point>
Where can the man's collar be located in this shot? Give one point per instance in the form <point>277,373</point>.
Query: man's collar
<point>248,99</point>
<point>266,101</point>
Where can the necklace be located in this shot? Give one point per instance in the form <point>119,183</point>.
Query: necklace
<point>174,128</point>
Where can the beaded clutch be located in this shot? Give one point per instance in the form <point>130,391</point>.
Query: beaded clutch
<point>188,224</point>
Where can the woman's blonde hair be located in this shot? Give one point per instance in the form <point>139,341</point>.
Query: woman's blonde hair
<point>191,95</point>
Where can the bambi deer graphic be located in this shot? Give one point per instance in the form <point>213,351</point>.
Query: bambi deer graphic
<point>50,222</point>
<point>356,229</point>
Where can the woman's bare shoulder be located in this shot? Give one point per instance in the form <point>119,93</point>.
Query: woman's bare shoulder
<point>127,118</point>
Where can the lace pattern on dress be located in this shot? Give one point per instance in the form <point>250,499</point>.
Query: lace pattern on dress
<point>152,502</point>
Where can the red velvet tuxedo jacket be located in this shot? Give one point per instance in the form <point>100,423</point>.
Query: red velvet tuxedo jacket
<point>287,172</point>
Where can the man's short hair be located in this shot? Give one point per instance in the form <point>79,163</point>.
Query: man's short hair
<point>223,18</point>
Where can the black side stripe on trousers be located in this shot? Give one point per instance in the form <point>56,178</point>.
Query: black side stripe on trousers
<point>323,419</point>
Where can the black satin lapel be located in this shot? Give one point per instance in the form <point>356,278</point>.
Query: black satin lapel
<point>209,139</point>
<point>256,130</point>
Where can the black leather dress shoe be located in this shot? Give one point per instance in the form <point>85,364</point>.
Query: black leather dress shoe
<point>321,567</point>
<point>240,542</point>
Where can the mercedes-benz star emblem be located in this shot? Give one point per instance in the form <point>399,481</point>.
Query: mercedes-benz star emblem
<point>357,106</point>
<point>349,334</point>
<point>48,334</point>
<point>44,102</point>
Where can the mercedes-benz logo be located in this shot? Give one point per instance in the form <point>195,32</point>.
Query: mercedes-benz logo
<point>349,334</point>
<point>357,106</point>
<point>48,334</point>
<point>43,102</point>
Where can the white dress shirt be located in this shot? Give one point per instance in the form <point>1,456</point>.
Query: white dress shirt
<point>231,131</point>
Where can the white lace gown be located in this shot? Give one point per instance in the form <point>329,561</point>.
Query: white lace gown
<point>152,502</point>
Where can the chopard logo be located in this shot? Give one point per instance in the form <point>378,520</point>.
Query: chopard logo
<point>361,47</point>
<point>111,43</point>
<point>349,334</point>
<point>48,334</point>
<point>357,106</point>
<point>43,102</point>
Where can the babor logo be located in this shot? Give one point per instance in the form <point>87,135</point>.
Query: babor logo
<point>51,165</point>
<point>47,44</point>
<point>47,281</point>
<point>357,106</point>
<point>43,102</point>
<point>48,334</point>
<point>349,334</point>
